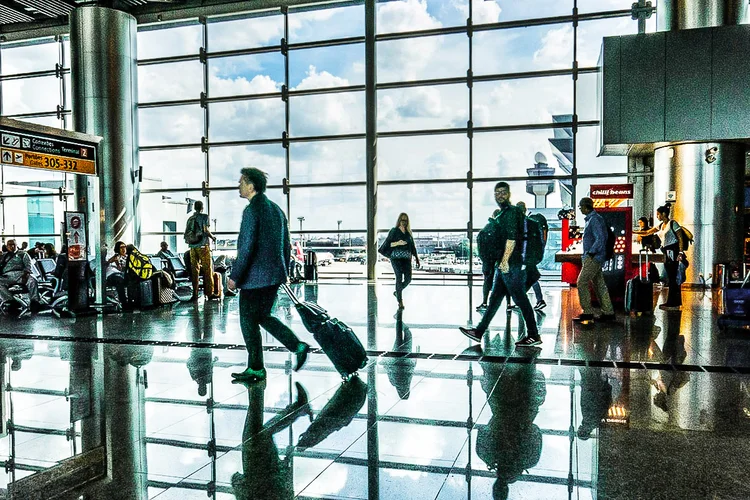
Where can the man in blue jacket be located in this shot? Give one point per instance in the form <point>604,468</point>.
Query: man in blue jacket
<point>594,256</point>
<point>260,269</point>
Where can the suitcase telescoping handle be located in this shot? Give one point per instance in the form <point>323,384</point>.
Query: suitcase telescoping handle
<point>291,294</point>
<point>641,253</point>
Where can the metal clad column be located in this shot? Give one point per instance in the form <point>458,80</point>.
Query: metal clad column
<point>708,183</point>
<point>104,88</point>
<point>371,137</point>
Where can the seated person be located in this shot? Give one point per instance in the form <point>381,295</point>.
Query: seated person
<point>15,269</point>
<point>61,267</point>
<point>165,252</point>
<point>49,251</point>
<point>115,277</point>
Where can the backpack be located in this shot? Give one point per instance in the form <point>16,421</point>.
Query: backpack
<point>542,221</point>
<point>139,265</point>
<point>193,233</point>
<point>684,237</point>
<point>532,250</point>
<point>487,242</point>
<point>609,248</point>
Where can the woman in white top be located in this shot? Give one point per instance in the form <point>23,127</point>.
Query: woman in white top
<point>116,269</point>
<point>670,246</point>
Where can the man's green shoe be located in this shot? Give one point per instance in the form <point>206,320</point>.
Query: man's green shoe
<point>250,375</point>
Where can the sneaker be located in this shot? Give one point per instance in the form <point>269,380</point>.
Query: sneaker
<point>528,341</point>
<point>302,351</point>
<point>482,307</point>
<point>472,333</point>
<point>250,375</point>
<point>607,317</point>
<point>584,317</point>
<point>540,305</point>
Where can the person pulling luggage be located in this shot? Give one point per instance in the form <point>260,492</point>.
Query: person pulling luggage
<point>668,231</point>
<point>510,275</point>
<point>263,251</point>
<point>594,255</point>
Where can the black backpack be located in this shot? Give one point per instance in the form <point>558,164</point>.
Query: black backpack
<point>610,246</point>
<point>533,242</point>
<point>193,233</point>
<point>488,242</point>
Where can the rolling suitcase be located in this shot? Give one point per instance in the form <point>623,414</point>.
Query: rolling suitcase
<point>639,291</point>
<point>336,339</point>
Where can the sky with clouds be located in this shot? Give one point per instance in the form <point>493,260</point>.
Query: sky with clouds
<point>442,206</point>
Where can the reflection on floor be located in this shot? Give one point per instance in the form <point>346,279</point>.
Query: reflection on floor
<point>616,411</point>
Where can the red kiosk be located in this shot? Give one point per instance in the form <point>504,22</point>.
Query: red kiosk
<point>609,200</point>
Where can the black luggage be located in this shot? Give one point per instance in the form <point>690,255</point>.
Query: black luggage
<point>336,339</point>
<point>141,294</point>
<point>639,291</point>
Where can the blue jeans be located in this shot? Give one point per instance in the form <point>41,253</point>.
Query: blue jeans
<point>512,283</point>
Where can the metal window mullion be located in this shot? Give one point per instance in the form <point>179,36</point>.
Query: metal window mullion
<point>287,114</point>
<point>206,115</point>
<point>574,173</point>
<point>470,173</point>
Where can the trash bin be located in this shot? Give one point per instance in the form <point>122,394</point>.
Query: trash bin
<point>311,266</point>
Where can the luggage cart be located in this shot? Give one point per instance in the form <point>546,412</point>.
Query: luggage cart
<point>735,303</point>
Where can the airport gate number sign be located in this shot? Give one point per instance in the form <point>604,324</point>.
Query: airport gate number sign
<point>24,149</point>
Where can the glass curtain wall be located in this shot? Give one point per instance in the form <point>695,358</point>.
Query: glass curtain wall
<point>34,87</point>
<point>468,94</point>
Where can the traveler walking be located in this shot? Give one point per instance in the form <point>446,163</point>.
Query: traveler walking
<point>399,247</point>
<point>594,255</point>
<point>667,230</point>
<point>510,275</point>
<point>197,234</point>
<point>542,221</point>
<point>259,270</point>
<point>488,271</point>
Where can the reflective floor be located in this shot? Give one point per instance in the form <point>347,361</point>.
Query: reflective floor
<point>650,407</point>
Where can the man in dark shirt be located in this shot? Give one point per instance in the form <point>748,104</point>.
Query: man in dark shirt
<point>510,275</point>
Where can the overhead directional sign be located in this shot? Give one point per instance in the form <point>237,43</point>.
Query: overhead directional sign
<point>47,148</point>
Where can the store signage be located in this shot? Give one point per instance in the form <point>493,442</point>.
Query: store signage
<point>75,236</point>
<point>612,191</point>
<point>19,148</point>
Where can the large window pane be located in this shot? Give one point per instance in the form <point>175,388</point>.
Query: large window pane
<point>510,154</point>
<point>327,114</point>
<point>587,150</point>
<point>327,67</point>
<point>246,120</point>
<point>30,178</point>
<point>423,58</point>
<point>412,15</point>
<point>423,108</point>
<point>323,207</point>
<point>49,121</point>
<point>326,24</point>
<point>433,206</point>
<point>227,206</point>
<point>33,57</point>
<point>586,91</point>
<point>160,212</point>
<point>31,95</point>
<point>245,75</point>
<point>245,33</point>
<point>329,161</point>
<point>169,42</point>
<point>484,199</point>
<point>226,163</point>
<point>173,169</point>
<point>516,102</point>
<point>514,11</point>
<point>171,125</point>
<point>523,49</point>
<point>170,82</point>
<point>33,214</point>
<point>603,5</point>
<point>423,157</point>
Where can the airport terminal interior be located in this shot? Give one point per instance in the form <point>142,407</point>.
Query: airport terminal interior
<point>117,117</point>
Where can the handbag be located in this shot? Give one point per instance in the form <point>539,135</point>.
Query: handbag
<point>400,253</point>
<point>385,248</point>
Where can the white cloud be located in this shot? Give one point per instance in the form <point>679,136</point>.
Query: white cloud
<point>409,15</point>
<point>556,50</point>
<point>483,11</point>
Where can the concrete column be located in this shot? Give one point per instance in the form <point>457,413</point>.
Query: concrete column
<point>104,87</point>
<point>708,183</point>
